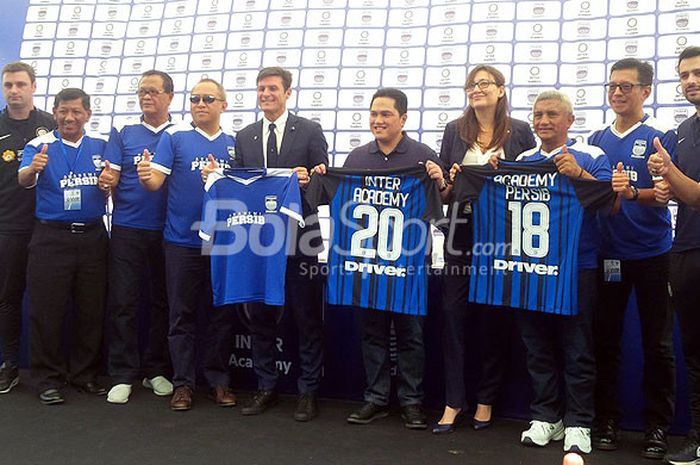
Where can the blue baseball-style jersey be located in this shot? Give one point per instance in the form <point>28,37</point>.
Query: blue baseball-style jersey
<point>134,206</point>
<point>181,154</point>
<point>379,236</point>
<point>246,213</point>
<point>66,190</point>
<point>526,221</point>
<point>595,162</point>
<point>636,231</point>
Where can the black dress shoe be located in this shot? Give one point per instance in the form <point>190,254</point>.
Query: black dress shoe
<point>367,414</point>
<point>91,387</point>
<point>655,444</point>
<point>307,407</point>
<point>414,417</point>
<point>449,427</point>
<point>51,396</point>
<point>261,401</point>
<point>606,435</point>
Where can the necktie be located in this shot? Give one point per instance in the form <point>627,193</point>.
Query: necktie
<point>272,147</point>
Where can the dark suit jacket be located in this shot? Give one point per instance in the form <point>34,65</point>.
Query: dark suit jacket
<point>303,144</point>
<point>452,151</point>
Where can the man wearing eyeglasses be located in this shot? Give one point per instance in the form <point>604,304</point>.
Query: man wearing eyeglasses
<point>635,252</point>
<point>181,153</point>
<point>136,246</point>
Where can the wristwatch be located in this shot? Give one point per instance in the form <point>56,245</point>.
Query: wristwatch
<point>635,193</point>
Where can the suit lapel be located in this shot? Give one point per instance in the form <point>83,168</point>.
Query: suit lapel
<point>290,132</point>
<point>257,145</point>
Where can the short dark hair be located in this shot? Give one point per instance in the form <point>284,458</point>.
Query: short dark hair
<point>276,71</point>
<point>19,66</point>
<point>689,52</point>
<point>168,85</point>
<point>645,71</point>
<point>69,94</point>
<point>400,99</point>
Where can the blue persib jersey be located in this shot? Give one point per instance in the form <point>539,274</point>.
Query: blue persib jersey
<point>246,212</point>
<point>67,188</point>
<point>379,236</point>
<point>181,154</point>
<point>595,162</point>
<point>134,206</point>
<point>527,223</point>
<point>636,231</point>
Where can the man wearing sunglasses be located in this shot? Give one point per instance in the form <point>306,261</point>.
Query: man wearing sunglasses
<point>181,153</point>
<point>635,252</point>
<point>284,140</point>
<point>136,246</point>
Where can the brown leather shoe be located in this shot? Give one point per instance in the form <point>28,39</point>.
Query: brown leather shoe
<point>182,399</point>
<point>223,396</point>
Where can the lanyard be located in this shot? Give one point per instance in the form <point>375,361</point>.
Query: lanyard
<point>71,166</point>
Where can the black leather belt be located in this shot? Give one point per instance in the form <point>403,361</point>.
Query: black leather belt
<point>74,228</point>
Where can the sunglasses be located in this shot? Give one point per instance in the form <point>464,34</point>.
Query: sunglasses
<point>208,99</point>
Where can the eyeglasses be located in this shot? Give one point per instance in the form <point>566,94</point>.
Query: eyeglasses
<point>625,87</point>
<point>151,92</point>
<point>482,85</point>
<point>208,99</point>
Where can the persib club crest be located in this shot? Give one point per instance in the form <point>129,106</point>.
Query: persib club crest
<point>231,152</point>
<point>271,203</point>
<point>639,148</point>
<point>97,161</point>
<point>8,156</point>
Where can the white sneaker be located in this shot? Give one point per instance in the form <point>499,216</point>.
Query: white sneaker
<point>577,439</point>
<point>119,394</point>
<point>541,432</point>
<point>160,385</point>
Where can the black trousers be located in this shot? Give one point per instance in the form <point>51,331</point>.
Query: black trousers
<point>493,329</point>
<point>13,276</point>
<point>649,279</point>
<point>303,300</point>
<point>136,256</point>
<point>64,266</point>
<point>685,283</point>
<point>560,348</point>
<point>188,282</point>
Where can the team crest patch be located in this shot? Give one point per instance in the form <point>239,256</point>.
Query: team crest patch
<point>231,152</point>
<point>97,161</point>
<point>8,156</point>
<point>271,203</point>
<point>41,130</point>
<point>639,148</point>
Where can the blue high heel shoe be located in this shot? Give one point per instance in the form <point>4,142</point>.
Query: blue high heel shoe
<point>449,427</point>
<point>479,424</point>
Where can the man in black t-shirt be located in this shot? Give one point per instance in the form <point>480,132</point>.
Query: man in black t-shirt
<point>20,122</point>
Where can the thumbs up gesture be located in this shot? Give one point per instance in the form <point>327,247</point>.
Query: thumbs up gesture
<point>659,162</point>
<point>143,169</point>
<point>40,159</point>
<point>107,179</point>
<point>209,167</point>
<point>566,164</point>
<point>621,182</point>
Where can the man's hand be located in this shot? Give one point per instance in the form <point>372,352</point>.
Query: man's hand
<point>209,168</point>
<point>319,169</point>
<point>302,175</point>
<point>621,183</point>
<point>143,169</point>
<point>662,191</point>
<point>107,179</point>
<point>566,164</point>
<point>659,162</point>
<point>435,172</point>
<point>40,160</point>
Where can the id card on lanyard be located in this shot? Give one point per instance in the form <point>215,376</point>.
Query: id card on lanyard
<point>72,200</point>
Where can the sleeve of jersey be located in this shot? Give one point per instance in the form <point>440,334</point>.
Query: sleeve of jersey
<point>164,158</point>
<point>469,182</point>
<point>433,203</point>
<point>595,195</point>
<point>114,150</point>
<point>291,202</point>
<point>669,141</point>
<point>27,156</point>
<point>316,193</point>
<point>207,227</point>
<point>600,168</point>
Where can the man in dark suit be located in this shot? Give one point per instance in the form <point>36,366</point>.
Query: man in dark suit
<point>284,140</point>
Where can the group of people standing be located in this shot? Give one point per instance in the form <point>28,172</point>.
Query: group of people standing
<point>54,179</point>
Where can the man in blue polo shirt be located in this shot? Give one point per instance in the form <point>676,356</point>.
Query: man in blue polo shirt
<point>68,250</point>
<point>183,150</point>
<point>544,335</point>
<point>635,253</point>
<point>136,246</point>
